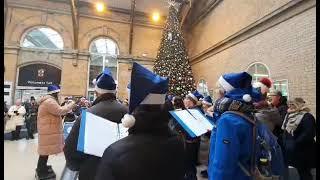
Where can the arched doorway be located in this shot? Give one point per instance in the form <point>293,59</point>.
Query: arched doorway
<point>103,53</point>
<point>34,76</point>
<point>33,80</point>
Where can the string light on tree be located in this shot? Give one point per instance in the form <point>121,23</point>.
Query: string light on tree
<point>172,60</point>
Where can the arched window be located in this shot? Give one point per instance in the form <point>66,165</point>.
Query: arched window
<point>257,71</point>
<point>42,38</point>
<point>103,53</point>
<point>203,87</point>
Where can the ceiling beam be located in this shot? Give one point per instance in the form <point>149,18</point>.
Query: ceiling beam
<point>75,22</point>
<point>183,6</point>
<point>133,4</point>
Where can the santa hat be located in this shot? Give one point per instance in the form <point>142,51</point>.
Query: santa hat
<point>232,81</point>
<point>264,84</point>
<point>53,89</point>
<point>145,88</point>
<point>207,100</point>
<point>196,96</point>
<point>105,83</point>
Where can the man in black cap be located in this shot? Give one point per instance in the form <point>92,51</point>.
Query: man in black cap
<point>31,117</point>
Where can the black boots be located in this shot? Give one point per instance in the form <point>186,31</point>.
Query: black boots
<point>15,136</point>
<point>45,174</point>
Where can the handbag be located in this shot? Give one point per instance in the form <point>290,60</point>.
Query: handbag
<point>10,126</point>
<point>68,174</point>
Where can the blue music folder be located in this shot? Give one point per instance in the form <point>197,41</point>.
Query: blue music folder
<point>97,133</point>
<point>192,121</point>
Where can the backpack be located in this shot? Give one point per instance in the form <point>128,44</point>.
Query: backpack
<point>265,146</point>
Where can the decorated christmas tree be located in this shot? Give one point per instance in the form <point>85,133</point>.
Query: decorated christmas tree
<point>172,60</point>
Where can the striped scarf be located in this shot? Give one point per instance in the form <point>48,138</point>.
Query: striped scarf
<point>293,119</point>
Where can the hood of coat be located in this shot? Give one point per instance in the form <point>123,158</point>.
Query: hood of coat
<point>42,99</point>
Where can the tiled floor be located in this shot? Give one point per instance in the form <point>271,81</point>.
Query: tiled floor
<point>20,160</point>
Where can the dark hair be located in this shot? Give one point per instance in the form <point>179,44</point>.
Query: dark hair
<point>191,99</point>
<point>55,96</point>
<point>178,103</point>
<point>283,100</point>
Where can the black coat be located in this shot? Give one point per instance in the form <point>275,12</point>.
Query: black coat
<point>84,163</point>
<point>300,149</point>
<point>150,152</point>
<point>277,129</point>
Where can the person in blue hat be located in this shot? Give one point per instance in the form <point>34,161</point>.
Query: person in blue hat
<point>150,151</point>
<point>105,106</point>
<point>231,140</point>
<point>49,124</point>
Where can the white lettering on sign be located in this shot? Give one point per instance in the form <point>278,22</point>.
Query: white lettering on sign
<point>39,82</point>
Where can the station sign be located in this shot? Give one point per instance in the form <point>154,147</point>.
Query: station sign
<point>39,75</point>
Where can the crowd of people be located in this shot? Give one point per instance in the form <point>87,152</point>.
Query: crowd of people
<point>256,132</point>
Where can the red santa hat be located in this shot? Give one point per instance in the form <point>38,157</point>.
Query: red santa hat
<point>264,84</point>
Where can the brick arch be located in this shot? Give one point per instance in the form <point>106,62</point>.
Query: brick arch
<point>29,23</point>
<point>47,63</point>
<point>101,31</point>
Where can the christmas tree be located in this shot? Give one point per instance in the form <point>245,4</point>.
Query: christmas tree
<point>172,60</point>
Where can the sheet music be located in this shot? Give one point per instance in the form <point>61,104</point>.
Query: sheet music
<point>195,125</point>
<point>199,116</point>
<point>100,134</point>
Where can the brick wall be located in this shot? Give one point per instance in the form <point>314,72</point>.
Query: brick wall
<point>228,17</point>
<point>288,49</point>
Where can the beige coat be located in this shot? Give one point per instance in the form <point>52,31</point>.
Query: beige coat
<point>15,120</point>
<point>50,125</point>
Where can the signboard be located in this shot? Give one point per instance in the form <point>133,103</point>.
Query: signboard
<point>39,75</point>
<point>7,92</point>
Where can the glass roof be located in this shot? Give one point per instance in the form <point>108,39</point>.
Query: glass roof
<point>43,37</point>
<point>104,46</point>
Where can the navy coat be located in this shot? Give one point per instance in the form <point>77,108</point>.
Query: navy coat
<point>300,149</point>
<point>231,142</point>
<point>150,152</point>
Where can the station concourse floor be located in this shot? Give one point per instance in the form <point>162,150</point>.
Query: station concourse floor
<point>20,160</point>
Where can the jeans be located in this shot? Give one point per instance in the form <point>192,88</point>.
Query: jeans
<point>31,126</point>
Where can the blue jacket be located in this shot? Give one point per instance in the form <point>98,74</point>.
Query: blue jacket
<point>231,142</point>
